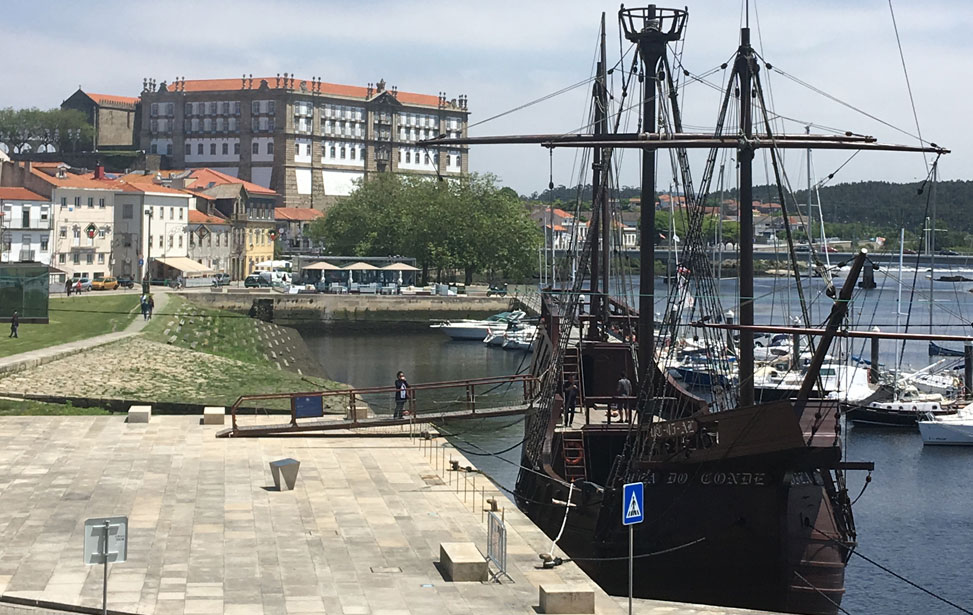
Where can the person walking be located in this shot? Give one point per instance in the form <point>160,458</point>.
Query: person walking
<point>401,395</point>
<point>144,303</point>
<point>570,400</point>
<point>151,304</point>
<point>67,288</point>
<point>14,324</point>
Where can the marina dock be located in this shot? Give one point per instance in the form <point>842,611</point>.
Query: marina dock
<point>209,533</point>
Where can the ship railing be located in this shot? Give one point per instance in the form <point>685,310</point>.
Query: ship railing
<point>467,396</point>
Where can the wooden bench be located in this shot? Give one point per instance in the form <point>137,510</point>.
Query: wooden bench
<point>566,599</point>
<point>462,561</point>
<point>139,414</point>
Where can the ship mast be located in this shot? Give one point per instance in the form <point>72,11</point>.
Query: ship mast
<point>745,69</point>
<point>651,29</point>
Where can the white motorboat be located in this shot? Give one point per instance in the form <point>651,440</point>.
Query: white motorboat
<point>495,337</point>
<point>954,430</point>
<point>468,329</point>
<point>520,339</point>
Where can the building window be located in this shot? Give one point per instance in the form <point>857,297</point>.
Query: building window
<point>408,157</point>
<point>77,233</point>
<point>89,258</point>
<point>64,201</point>
<point>255,148</point>
<point>199,149</point>
<point>153,149</point>
<point>297,149</point>
<point>255,107</point>
<point>332,152</point>
<point>270,147</point>
<point>101,259</point>
<point>172,213</point>
<point>236,148</point>
<point>226,148</point>
<point>271,107</point>
<point>180,213</point>
<point>457,159</point>
<point>61,258</point>
<point>64,232</point>
<point>127,211</point>
<point>77,201</point>
<point>189,149</point>
<point>76,258</point>
<point>91,201</point>
<point>101,203</point>
<point>342,153</point>
<point>212,149</point>
<point>427,159</point>
<point>400,155</point>
<point>44,242</point>
<point>180,241</point>
<point>352,152</point>
<point>170,241</point>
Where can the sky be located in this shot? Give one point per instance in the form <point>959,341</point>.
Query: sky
<point>504,54</point>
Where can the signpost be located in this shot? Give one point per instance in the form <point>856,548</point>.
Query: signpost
<point>105,540</point>
<point>633,512</point>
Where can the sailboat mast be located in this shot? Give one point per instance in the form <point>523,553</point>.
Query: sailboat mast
<point>601,117</point>
<point>597,179</point>
<point>744,69</point>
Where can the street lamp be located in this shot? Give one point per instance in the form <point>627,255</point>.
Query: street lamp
<point>148,254</point>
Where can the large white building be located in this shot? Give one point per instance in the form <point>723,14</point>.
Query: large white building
<point>25,226</point>
<point>308,140</point>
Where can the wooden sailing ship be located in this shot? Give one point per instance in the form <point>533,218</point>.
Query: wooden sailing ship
<point>746,503</point>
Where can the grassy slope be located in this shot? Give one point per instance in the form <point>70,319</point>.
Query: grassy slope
<point>74,318</point>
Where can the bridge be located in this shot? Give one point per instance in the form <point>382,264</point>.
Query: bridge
<point>431,402</point>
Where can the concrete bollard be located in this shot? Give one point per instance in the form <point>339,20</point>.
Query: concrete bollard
<point>462,561</point>
<point>566,599</point>
<point>284,472</point>
<point>139,414</point>
<point>214,415</point>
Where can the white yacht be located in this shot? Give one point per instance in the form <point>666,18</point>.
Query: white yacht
<point>953,430</point>
<point>468,329</point>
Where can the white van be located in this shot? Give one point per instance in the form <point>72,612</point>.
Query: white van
<point>275,277</point>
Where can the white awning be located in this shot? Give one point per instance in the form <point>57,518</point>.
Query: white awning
<point>323,266</point>
<point>186,265</point>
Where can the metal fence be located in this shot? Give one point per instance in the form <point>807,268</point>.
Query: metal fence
<point>497,545</point>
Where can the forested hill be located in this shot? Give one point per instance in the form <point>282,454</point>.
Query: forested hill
<point>875,204</point>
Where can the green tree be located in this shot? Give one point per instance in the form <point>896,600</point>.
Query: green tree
<point>465,223</point>
<point>35,130</point>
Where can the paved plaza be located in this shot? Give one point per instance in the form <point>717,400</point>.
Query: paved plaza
<point>208,532</point>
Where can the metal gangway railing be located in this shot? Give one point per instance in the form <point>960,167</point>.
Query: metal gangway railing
<point>424,403</point>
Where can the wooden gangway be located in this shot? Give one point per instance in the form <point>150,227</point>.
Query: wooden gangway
<point>307,409</point>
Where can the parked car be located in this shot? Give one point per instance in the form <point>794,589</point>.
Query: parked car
<point>82,284</point>
<point>222,279</point>
<point>255,281</point>
<point>104,284</point>
<point>126,282</point>
<point>908,251</point>
<point>948,252</point>
<point>829,249</point>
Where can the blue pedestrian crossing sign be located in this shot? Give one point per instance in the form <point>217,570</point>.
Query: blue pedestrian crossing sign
<point>633,504</point>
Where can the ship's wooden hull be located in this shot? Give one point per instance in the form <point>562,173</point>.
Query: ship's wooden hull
<point>744,523</point>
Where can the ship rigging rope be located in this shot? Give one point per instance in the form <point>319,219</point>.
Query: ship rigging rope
<point>848,105</point>
<point>908,84</point>
<point>882,567</point>
<point>821,593</point>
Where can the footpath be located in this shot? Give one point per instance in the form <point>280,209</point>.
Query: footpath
<point>33,358</point>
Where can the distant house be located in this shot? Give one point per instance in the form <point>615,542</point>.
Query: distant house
<point>292,225</point>
<point>114,118</point>
<point>26,226</point>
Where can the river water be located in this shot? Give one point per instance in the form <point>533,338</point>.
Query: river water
<point>915,517</point>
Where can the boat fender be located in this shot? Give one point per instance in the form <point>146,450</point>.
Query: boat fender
<point>575,461</point>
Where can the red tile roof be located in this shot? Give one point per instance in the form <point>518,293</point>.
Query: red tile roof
<point>198,217</point>
<point>20,194</point>
<point>297,214</point>
<point>206,176</point>
<point>111,99</point>
<point>334,89</point>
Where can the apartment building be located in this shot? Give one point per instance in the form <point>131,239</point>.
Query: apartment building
<point>209,241</point>
<point>25,227</point>
<point>307,140</point>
